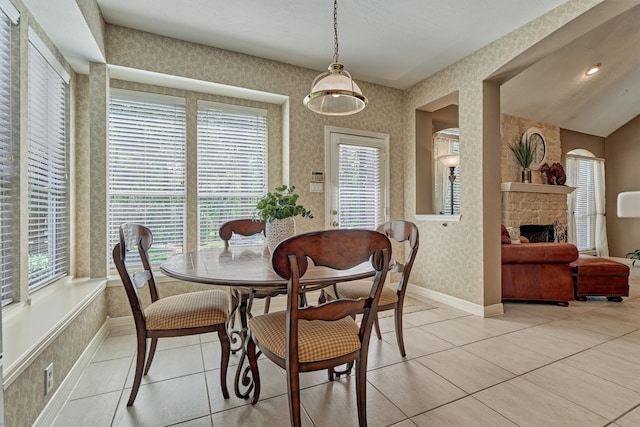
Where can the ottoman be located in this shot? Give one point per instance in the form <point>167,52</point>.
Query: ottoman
<point>593,276</point>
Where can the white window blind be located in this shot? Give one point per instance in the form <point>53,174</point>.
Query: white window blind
<point>232,165</point>
<point>147,137</point>
<point>6,164</point>
<point>48,205</point>
<point>585,213</point>
<point>360,179</point>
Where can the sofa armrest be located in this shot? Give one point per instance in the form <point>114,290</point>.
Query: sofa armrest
<point>539,253</point>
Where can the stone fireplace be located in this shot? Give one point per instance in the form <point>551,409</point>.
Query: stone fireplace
<point>534,204</point>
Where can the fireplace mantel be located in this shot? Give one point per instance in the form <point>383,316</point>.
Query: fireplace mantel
<point>535,188</point>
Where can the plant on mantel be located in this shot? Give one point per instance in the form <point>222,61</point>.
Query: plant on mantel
<point>524,152</point>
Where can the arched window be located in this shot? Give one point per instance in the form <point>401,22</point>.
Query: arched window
<point>587,229</point>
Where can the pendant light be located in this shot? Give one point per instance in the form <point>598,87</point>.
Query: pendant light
<point>334,93</point>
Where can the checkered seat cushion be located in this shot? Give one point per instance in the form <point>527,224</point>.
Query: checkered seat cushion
<point>317,339</point>
<point>190,310</point>
<point>360,289</point>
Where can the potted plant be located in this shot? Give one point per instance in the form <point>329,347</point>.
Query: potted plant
<point>277,210</point>
<point>524,151</point>
<point>635,256</point>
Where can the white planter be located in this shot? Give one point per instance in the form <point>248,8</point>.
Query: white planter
<point>278,230</point>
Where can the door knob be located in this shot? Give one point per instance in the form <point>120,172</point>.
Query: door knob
<point>335,223</point>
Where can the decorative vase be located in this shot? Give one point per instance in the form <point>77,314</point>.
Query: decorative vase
<point>278,230</point>
<point>526,176</point>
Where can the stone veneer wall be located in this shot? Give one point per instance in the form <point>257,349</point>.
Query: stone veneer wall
<point>512,130</point>
<point>529,208</point>
<point>533,208</point>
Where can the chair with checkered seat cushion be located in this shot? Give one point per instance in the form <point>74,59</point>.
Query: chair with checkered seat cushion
<point>246,227</point>
<point>173,316</point>
<point>392,297</point>
<point>311,338</point>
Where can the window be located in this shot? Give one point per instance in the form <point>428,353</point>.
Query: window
<point>48,195</point>
<point>581,174</point>
<point>232,165</point>
<point>148,168</point>
<point>147,143</point>
<point>6,158</point>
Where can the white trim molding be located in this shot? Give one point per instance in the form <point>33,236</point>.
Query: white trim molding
<point>469,307</point>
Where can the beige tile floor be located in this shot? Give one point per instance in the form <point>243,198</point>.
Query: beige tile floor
<point>536,365</point>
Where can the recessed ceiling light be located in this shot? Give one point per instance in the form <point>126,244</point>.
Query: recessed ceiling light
<point>593,69</point>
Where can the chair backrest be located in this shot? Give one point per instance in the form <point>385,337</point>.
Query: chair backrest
<point>337,249</point>
<point>402,231</point>
<point>134,236</point>
<point>243,227</point>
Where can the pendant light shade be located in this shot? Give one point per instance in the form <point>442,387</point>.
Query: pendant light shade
<point>334,93</point>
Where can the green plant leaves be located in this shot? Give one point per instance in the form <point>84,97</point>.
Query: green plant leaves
<point>281,203</point>
<point>524,152</point>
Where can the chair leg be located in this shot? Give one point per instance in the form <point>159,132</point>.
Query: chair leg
<point>376,324</point>
<point>399,334</point>
<point>137,378</point>
<point>224,362</point>
<point>361,390</point>
<point>267,304</point>
<point>152,352</point>
<point>293,389</point>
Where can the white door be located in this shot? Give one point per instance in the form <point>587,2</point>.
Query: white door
<point>357,173</point>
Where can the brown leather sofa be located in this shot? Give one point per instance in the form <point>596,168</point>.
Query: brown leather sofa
<point>538,272</point>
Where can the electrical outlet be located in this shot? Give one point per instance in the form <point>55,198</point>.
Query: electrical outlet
<point>48,379</point>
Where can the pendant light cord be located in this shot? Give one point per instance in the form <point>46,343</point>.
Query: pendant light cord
<point>335,30</point>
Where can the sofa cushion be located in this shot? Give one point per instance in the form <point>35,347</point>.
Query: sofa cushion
<point>539,253</point>
<point>587,265</point>
<point>506,239</point>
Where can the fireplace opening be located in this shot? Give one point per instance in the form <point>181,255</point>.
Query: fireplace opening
<point>538,233</point>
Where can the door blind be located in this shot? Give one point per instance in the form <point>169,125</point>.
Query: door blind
<point>147,137</point>
<point>232,166</point>
<point>48,198</point>
<point>360,179</point>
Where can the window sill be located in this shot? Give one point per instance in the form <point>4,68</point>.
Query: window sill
<point>438,218</point>
<point>27,330</point>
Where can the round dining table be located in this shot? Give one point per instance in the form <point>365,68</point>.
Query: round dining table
<point>248,267</point>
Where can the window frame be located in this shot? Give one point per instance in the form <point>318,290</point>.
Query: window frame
<point>50,164</point>
<point>9,292</point>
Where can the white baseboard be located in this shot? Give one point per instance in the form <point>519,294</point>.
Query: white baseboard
<point>53,407</point>
<point>469,307</point>
<point>121,326</point>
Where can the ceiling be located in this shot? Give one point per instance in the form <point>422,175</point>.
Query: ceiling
<point>395,44</point>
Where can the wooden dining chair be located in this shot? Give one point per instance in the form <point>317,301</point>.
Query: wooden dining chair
<point>246,227</point>
<point>392,297</point>
<point>173,316</point>
<point>312,338</point>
